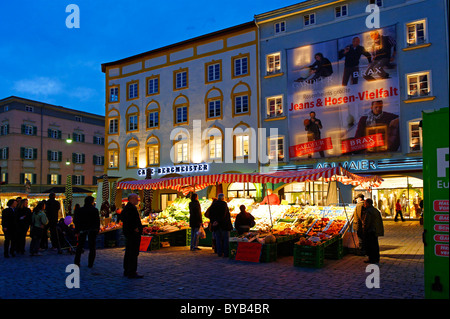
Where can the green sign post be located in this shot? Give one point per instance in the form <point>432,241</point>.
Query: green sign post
<point>435,132</point>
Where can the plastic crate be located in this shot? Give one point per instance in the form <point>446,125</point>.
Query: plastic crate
<point>232,249</point>
<point>286,248</point>
<point>309,256</point>
<point>268,253</point>
<point>335,250</point>
<point>207,242</point>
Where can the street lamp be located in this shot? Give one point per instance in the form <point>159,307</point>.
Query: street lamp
<point>67,162</point>
<point>68,140</point>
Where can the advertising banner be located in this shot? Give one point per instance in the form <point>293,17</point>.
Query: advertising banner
<point>436,203</point>
<point>343,96</point>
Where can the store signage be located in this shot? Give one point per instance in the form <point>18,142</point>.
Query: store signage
<point>441,238</point>
<point>441,250</point>
<point>440,206</point>
<point>441,228</point>
<point>362,165</point>
<point>178,169</point>
<point>362,143</point>
<point>248,251</point>
<point>311,147</point>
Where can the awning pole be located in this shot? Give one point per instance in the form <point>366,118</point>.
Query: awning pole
<point>345,211</point>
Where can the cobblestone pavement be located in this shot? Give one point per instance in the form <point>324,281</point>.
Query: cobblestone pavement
<point>178,273</point>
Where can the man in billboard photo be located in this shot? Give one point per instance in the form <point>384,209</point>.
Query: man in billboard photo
<point>352,54</point>
<point>313,126</point>
<point>321,68</point>
<point>383,52</point>
<point>387,123</point>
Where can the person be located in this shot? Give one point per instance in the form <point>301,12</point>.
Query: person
<point>221,225</point>
<point>313,127</point>
<point>321,68</point>
<point>76,208</point>
<point>271,198</point>
<point>383,51</point>
<point>244,221</point>
<point>87,223</point>
<point>352,54</point>
<point>207,215</point>
<point>23,219</point>
<point>52,209</point>
<point>38,222</point>
<point>132,230</point>
<point>372,229</point>
<point>376,117</point>
<point>195,220</point>
<point>398,211</point>
<point>357,223</point>
<point>9,226</point>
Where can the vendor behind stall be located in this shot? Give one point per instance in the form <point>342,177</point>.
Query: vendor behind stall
<point>270,199</point>
<point>244,221</point>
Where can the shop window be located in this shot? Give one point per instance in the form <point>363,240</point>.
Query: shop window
<point>416,33</point>
<point>241,190</point>
<point>415,137</point>
<point>419,84</point>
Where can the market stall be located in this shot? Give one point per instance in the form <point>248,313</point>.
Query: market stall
<point>316,225</point>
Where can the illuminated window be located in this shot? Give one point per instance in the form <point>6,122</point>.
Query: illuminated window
<point>416,33</point>
<point>132,153</point>
<point>214,139</point>
<point>415,136</point>
<point>153,151</point>
<point>274,106</point>
<point>273,63</point>
<point>276,148</point>
<point>113,158</point>
<point>419,84</point>
<point>242,148</point>
<point>181,148</point>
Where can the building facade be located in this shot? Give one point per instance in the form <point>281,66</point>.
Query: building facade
<point>366,72</point>
<point>188,108</point>
<point>35,153</point>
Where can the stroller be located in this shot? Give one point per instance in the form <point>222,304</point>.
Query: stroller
<point>66,236</point>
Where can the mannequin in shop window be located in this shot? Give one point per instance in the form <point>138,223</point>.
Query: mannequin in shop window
<point>404,203</point>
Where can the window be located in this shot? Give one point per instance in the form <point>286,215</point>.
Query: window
<point>309,19</point>
<point>4,153</point>
<point>340,11</point>
<point>54,179</point>
<point>276,148</point>
<point>153,85</point>
<point>416,33</point>
<point>274,106</point>
<point>78,137</point>
<point>181,148</point>
<point>78,119</point>
<point>114,94</point>
<point>181,79</point>
<point>415,136</point>
<point>153,151</point>
<point>214,109</point>
<point>113,126</point>
<point>133,122</point>
<point>213,71</point>
<point>181,114</point>
<point>113,159</point>
<point>28,153</point>
<point>153,119</point>
<point>98,140</point>
<point>98,160</point>
<point>78,179</point>
<point>78,158</point>
<point>240,65</point>
<point>273,63</point>
<point>418,84</point>
<point>54,156</point>
<point>30,177</point>
<point>29,108</point>
<point>29,129</point>
<point>53,133</point>
<point>241,145</point>
<point>241,104</point>
<point>377,2</point>
<point>4,129</point>
<point>215,145</point>
<point>133,90</point>
<point>280,27</point>
<point>132,153</point>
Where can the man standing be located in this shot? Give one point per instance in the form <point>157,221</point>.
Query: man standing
<point>372,229</point>
<point>357,223</point>
<point>87,223</point>
<point>383,52</point>
<point>221,225</point>
<point>52,207</point>
<point>271,198</point>
<point>9,227</point>
<point>132,230</point>
<point>352,54</point>
<point>313,127</point>
<point>195,220</point>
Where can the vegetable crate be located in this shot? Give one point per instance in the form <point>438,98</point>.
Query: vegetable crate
<point>177,238</point>
<point>309,256</point>
<point>335,250</point>
<point>268,253</point>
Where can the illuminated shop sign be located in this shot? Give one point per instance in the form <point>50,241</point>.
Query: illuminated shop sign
<point>178,169</point>
<point>362,165</point>
<point>373,165</point>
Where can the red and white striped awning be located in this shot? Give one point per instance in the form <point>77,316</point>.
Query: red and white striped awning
<point>187,184</point>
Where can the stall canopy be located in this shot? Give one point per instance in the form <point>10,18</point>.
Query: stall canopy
<point>194,183</point>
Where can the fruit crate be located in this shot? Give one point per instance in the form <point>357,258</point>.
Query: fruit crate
<point>309,256</point>
<point>335,250</point>
<point>286,248</point>
<point>268,253</point>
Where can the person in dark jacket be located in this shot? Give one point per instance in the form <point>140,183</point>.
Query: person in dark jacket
<point>87,223</point>
<point>23,219</point>
<point>9,226</point>
<point>221,225</point>
<point>321,68</point>
<point>195,220</point>
<point>244,221</point>
<point>132,230</point>
<point>52,208</point>
<point>352,54</point>
<point>372,229</point>
<point>313,127</point>
<point>358,219</point>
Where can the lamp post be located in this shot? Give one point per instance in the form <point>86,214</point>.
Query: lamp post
<point>69,139</point>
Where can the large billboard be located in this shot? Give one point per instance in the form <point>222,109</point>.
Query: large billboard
<point>343,96</point>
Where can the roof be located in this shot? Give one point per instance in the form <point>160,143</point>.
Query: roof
<point>180,44</point>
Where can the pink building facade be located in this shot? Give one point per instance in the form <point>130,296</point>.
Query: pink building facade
<point>34,146</point>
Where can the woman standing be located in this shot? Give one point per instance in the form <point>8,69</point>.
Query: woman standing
<point>38,222</point>
<point>23,215</point>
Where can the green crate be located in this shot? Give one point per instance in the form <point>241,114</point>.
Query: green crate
<point>309,256</point>
<point>335,250</point>
<point>286,248</point>
<point>154,244</point>
<point>232,249</point>
<point>207,241</point>
<point>268,253</point>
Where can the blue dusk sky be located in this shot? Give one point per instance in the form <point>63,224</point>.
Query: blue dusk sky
<point>43,60</point>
